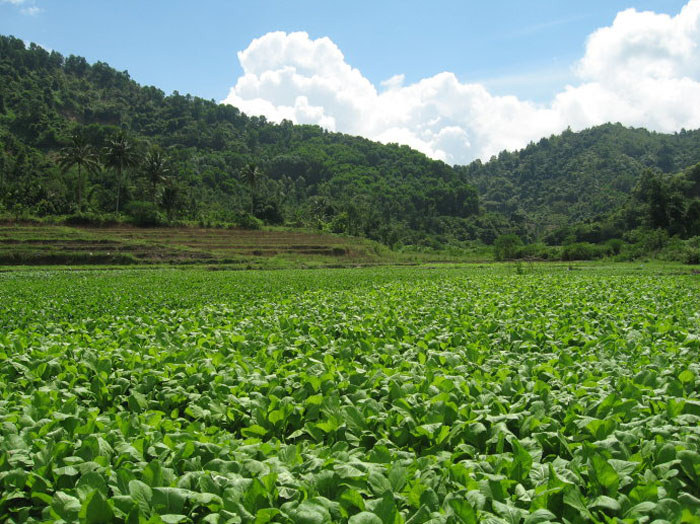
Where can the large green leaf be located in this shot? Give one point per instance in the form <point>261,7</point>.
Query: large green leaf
<point>95,509</point>
<point>604,474</point>
<point>65,506</point>
<point>142,494</point>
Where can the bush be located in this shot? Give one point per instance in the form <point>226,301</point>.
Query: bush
<point>649,240</point>
<point>247,221</point>
<point>506,247</point>
<point>144,214</point>
<point>538,251</point>
<point>614,246</point>
<point>686,251</point>
<point>583,251</point>
<point>269,211</point>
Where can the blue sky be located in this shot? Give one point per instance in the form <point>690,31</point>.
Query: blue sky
<point>528,49</point>
<point>516,47</point>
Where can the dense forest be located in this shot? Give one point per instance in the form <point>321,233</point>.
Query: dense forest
<point>83,143</point>
<point>597,187</point>
<point>575,177</point>
<point>86,141</point>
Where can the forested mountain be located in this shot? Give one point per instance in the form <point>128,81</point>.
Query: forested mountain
<point>577,177</point>
<point>216,163</point>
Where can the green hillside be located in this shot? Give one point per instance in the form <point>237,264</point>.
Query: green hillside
<point>303,175</point>
<point>577,177</point>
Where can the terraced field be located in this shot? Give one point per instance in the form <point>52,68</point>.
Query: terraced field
<point>380,396</point>
<point>37,245</point>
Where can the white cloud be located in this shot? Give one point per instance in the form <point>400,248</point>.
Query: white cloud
<point>394,82</point>
<point>643,70</point>
<point>29,8</point>
<point>31,11</point>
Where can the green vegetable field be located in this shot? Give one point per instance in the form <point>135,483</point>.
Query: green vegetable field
<point>369,396</point>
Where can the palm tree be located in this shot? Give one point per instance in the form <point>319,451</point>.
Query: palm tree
<point>170,198</point>
<point>250,175</point>
<point>79,153</point>
<point>155,167</point>
<point>120,154</point>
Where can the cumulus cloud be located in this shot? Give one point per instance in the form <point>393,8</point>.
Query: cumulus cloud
<point>643,70</point>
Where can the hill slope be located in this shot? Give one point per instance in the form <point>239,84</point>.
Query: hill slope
<point>306,175</point>
<point>575,177</point>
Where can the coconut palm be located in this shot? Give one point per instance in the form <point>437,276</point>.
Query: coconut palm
<point>155,167</point>
<point>250,175</point>
<point>81,154</point>
<point>170,198</point>
<point>120,154</point>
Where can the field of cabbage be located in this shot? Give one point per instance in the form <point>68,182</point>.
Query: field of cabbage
<point>369,396</point>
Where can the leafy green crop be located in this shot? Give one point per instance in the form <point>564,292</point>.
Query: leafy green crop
<point>379,396</point>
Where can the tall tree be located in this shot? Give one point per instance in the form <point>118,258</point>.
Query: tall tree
<point>81,154</point>
<point>120,155</point>
<point>170,198</point>
<point>156,169</point>
<point>251,175</point>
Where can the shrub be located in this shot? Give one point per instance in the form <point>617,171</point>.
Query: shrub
<point>269,211</point>
<point>614,246</point>
<point>686,251</point>
<point>144,213</point>
<point>247,221</point>
<point>649,240</point>
<point>87,218</point>
<point>505,247</point>
<point>583,251</point>
<point>538,251</point>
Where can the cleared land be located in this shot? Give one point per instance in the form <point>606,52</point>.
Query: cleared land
<point>44,245</point>
<point>365,396</point>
